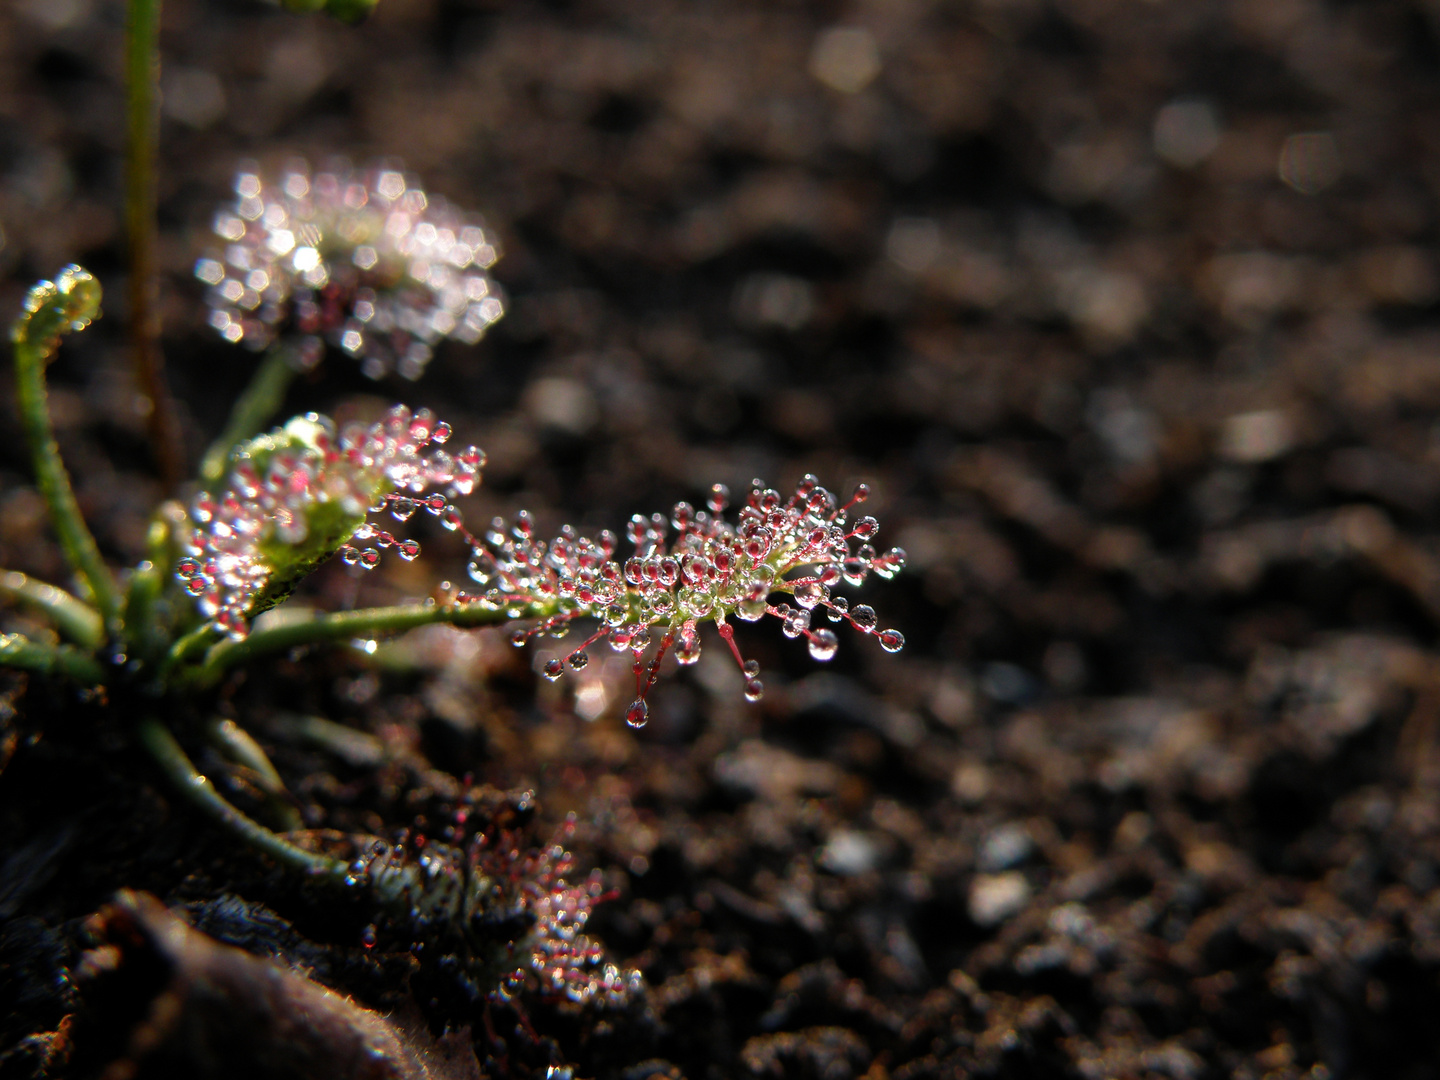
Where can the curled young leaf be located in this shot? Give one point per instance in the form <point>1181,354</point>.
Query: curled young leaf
<point>52,308</point>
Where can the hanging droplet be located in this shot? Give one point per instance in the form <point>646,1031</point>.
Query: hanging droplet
<point>796,623</point>
<point>751,668</point>
<point>441,432</point>
<point>578,659</point>
<point>892,640</point>
<point>519,637</point>
<point>638,713</point>
<point>401,508</point>
<point>754,690</point>
<point>687,651</point>
<point>750,610</point>
<point>863,617</point>
<point>553,669</point>
<point>823,644</point>
<point>408,549</point>
<point>810,593</point>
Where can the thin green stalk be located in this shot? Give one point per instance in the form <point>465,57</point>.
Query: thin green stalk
<point>142,91</point>
<point>17,651</point>
<point>345,625</point>
<point>187,648</point>
<point>144,635</point>
<point>202,794</point>
<point>74,618</point>
<point>51,309</point>
<point>254,409</point>
<point>240,747</point>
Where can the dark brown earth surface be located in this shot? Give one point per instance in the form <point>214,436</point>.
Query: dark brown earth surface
<point>1128,311</point>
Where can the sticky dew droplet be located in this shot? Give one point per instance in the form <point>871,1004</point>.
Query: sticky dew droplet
<point>687,651</point>
<point>892,640</point>
<point>553,669</point>
<point>750,610</point>
<point>823,644</point>
<point>810,593</point>
<point>638,713</point>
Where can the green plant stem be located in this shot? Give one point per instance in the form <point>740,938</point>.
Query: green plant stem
<point>52,309</point>
<point>145,637</point>
<point>142,91</point>
<point>74,618</point>
<point>144,590</point>
<point>240,747</point>
<point>343,625</point>
<point>254,409</point>
<point>17,651</point>
<point>187,648</point>
<point>202,794</point>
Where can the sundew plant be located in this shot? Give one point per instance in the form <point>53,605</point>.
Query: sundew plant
<point>364,263</point>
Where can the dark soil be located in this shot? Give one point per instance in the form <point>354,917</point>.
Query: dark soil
<point>1130,314</point>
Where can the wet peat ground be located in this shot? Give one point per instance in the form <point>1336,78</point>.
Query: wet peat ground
<point>1128,312</point>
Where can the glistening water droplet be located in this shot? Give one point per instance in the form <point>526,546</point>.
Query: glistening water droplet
<point>810,593</point>
<point>637,714</point>
<point>823,644</point>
